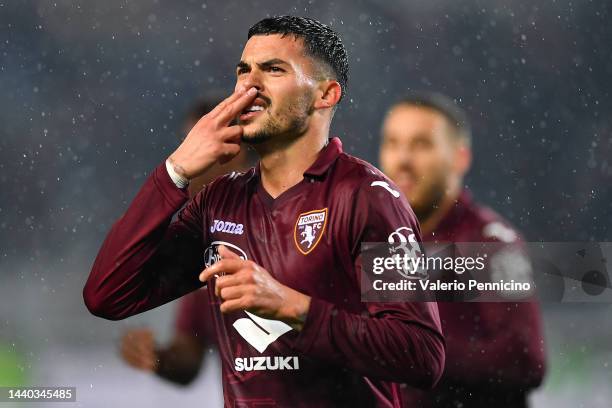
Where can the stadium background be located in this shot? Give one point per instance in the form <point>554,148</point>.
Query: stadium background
<point>93,95</point>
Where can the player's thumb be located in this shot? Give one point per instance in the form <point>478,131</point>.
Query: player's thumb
<point>226,253</point>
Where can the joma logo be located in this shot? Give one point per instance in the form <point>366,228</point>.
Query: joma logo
<point>227,227</point>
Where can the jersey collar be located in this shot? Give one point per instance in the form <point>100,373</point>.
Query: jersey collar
<point>326,158</point>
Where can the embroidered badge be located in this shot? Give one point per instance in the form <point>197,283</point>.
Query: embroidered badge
<point>309,229</point>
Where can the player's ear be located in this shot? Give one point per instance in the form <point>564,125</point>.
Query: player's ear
<point>328,94</point>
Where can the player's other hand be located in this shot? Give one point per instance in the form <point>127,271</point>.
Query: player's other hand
<point>138,349</point>
<point>244,285</point>
<point>211,139</point>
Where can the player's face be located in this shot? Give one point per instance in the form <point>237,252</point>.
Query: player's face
<point>417,153</point>
<point>281,72</point>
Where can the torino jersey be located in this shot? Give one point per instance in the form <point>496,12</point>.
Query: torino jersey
<point>495,351</point>
<point>348,353</point>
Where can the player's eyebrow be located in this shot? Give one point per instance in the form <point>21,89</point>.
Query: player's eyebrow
<point>263,65</point>
<point>242,65</point>
<point>273,61</point>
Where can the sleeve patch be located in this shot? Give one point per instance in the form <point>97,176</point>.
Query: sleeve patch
<point>386,186</point>
<point>499,231</point>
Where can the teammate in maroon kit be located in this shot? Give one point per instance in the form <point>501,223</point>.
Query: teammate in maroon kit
<point>181,359</point>
<point>279,244</point>
<point>495,351</point>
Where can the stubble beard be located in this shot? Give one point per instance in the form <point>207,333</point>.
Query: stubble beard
<point>288,124</point>
<point>431,198</point>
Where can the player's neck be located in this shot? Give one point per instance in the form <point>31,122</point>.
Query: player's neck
<point>284,166</point>
<point>429,224</point>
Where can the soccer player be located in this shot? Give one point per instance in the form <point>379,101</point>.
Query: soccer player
<point>495,351</point>
<point>180,361</point>
<point>279,245</point>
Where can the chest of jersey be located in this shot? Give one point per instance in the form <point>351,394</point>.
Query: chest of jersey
<point>296,238</point>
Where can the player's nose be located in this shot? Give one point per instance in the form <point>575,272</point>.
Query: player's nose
<point>400,157</point>
<point>251,80</point>
<point>405,157</point>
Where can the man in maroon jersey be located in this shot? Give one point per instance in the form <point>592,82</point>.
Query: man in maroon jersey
<point>495,351</point>
<point>279,244</point>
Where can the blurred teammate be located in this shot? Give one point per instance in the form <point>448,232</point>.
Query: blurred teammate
<point>495,351</point>
<point>180,361</point>
<point>281,242</point>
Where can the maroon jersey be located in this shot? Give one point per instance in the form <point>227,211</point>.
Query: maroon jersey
<point>495,351</point>
<point>348,353</point>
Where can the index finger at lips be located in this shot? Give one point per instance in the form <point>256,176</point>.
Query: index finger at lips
<point>232,109</point>
<point>223,104</point>
<point>225,266</point>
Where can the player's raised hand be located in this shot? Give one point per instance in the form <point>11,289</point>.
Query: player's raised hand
<point>138,349</point>
<point>212,139</point>
<point>244,285</point>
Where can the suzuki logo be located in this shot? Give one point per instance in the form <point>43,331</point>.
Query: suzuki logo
<point>259,332</point>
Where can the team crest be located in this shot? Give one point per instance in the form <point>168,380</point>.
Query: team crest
<point>309,229</point>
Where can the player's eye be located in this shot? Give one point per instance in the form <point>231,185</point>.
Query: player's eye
<point>275,69</point>
<point>421,143</point>
<point>389,142</point>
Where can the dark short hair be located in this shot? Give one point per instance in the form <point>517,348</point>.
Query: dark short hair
<point>320,42</point>
<point>444,105</point>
